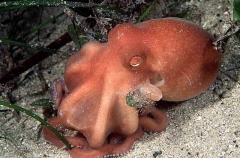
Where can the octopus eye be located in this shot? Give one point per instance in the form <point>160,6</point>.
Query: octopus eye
<point>135,61</point>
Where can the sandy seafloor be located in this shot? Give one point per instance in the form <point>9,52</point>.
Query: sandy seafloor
<point>207,126</point>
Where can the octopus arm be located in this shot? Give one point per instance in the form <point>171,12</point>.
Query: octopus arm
<point>158,122</point>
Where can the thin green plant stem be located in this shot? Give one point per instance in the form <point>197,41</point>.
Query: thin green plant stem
<point>38,118</point>
<point>41,25</point>
<point>42,102</point>
<point>76,35</point>
<point>236,10</point>
<point>5,8</point>
<point>16,43</point>
<point>51,3</point>
<point>146,11</point>
<point>13,5</point>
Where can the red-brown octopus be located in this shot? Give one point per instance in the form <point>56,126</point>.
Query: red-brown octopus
<point>108,89</point>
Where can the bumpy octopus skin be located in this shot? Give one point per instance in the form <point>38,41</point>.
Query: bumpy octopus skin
<point>169,59</point>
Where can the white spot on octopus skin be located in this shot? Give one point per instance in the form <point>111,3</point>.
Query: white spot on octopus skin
<point>119,35</point>
<point>60,112</point>
<point>190,83</point>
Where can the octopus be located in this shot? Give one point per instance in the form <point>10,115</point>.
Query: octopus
<point>106,99</point>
